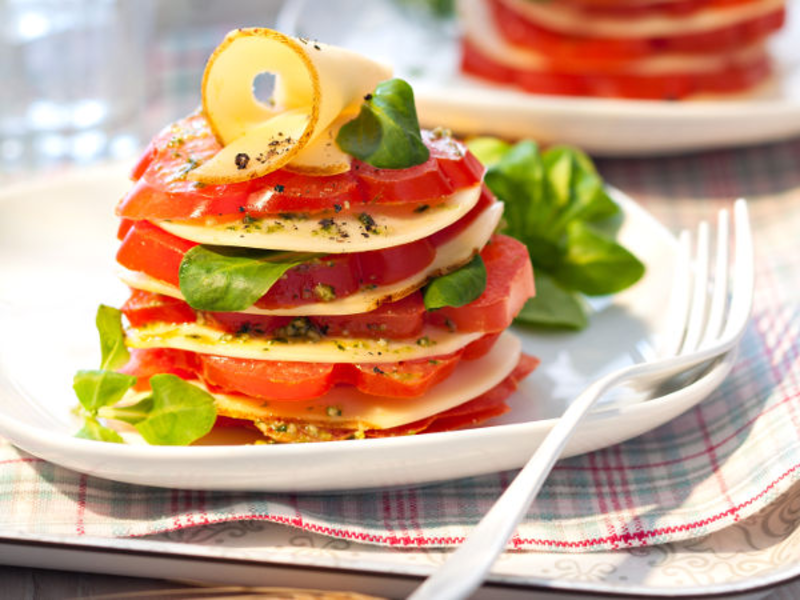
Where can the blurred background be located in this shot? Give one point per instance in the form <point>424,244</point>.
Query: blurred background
<point>91,80</point>
<point>88,80</point>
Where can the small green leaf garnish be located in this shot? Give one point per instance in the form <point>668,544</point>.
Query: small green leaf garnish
<point>386,134</point>
<point>457,288</point>
<point>93,430</point>
<point>99,387</point>
<point>175,413</point>
<point>557,205</point>
<point>595,264</point>
<point>553,306</point>
<point>218,278</point>
<point>180,414</point>
<point>114,354</point>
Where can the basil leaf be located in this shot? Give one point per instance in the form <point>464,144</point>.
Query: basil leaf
<point>98,388</point>
<point>457,288</point>
<point>93,430</point>
<point>488,150</point>
<point>595,264</point>
<point>181,412</point>
<point>114,354</point>
<point>223,278</point>
<point>386,134</point>
<point>553,306</point>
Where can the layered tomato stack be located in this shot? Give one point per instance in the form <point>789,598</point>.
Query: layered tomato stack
<point>647,49</point>
<point>341,346</point>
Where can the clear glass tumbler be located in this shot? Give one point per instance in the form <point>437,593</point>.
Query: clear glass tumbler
<point>73,79</point>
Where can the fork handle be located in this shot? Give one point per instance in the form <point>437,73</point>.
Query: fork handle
<point>466,568</point>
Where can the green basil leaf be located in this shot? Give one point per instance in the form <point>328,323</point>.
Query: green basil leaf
<point>553,306</point>
<point>488,150</point>
<point>114,354</point>
<point>457,288</point>
<point>181,412</point>
<point>386,134</point>
<point>595,264</point>
<point>133,413</point>
<point>224,278</point>
<point>93,430</point>
<point>98,388</point>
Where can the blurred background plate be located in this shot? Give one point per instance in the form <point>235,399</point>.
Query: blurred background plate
<point>423,47</point>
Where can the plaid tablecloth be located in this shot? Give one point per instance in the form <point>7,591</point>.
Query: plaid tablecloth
<point>716,464</point>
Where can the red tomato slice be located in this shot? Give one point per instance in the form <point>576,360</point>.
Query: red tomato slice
<point>273,380</point>
<point>143,307</point>
<point>509,284</point>
<point>162,190</point>
<point>662,87</point>
<point>144,363</point>
<point>290,381</point>
<point>394,320</point>
<point>566,51</point>
<point>486,406</point>
<point>408,379</point>
<point>151,250</point>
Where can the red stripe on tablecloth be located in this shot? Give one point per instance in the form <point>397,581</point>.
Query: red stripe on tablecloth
<point>393,540</point>
<point>630,505</point>
<point>690,456</point>
<point>80,524</point>
<point>712,457</point>
<point>601,499</point>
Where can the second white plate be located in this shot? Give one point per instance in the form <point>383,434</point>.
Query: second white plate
<point>426,53</point>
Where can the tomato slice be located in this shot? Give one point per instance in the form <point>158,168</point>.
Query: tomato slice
<point>144,363</point>
<point>273,380</point>
<point>571,51</point>
<point>293,381</point>
<point>151,250</point>
<point>509,284</point>
<point>491,403</point>
<point>143,307</point>
<point>671,86</point>
<point>163,191</point>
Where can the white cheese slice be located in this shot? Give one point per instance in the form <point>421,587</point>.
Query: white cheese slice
<point>351,232</point>
<point>203,339</point>
<point>564,18</point>
<point>355,409</point>
<point>315,84</point>
<point>481,30</point>
<point>451,254</point>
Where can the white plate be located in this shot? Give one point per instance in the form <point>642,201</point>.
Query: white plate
<point>428,56</point>
<point>56,264</point>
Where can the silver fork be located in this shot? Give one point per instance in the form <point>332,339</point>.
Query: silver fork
<point>708,317</point>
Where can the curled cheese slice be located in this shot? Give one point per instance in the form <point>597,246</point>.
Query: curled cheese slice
<point>317,88</point>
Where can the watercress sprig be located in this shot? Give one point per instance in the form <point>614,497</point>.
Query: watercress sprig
<point>556,203</point>
<point>174,413</point>
<point>386,133</point>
